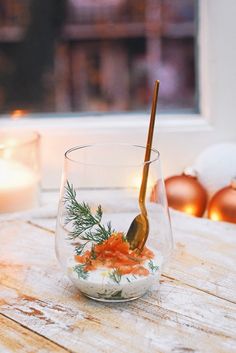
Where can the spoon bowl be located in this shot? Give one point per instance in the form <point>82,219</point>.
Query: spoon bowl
<point>138,232</point>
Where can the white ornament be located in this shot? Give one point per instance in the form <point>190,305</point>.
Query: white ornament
<point>216,166</point>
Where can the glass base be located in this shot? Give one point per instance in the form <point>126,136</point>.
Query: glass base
<point>107,300</point>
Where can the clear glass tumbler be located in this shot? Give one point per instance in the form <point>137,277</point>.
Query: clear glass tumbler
<point>99,200</point>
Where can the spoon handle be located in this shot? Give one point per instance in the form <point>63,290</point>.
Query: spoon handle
<point>143,188</point>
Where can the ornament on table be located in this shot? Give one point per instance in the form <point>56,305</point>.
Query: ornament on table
<point>185,193</point>
<point>222,206</point>
<point>216,166</point>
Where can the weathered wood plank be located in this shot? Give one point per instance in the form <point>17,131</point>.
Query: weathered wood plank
<point>16,338</point>
<point>35,293</point>
<point>177,319</point>
<point>205,255</point>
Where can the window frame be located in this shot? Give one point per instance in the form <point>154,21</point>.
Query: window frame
<point>184,135</point>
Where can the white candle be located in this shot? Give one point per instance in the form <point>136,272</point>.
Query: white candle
<point>18,187</point>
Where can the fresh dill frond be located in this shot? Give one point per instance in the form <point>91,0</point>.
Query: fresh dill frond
<point>115,276</point>
<point>85,225</point>
<point>80,248</point>
<point>152,267</point>
<point>81,272</point>
<point>117,295</point>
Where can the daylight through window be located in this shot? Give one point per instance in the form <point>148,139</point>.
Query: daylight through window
<point>104,55</point>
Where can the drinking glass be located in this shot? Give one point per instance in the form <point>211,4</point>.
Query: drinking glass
<point>99,199</point>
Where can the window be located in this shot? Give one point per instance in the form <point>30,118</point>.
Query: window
<point>76,55</point>
<point>179,137</point>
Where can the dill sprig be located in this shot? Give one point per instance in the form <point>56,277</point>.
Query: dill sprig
<point>152,266</point>
<point>115,276</point>
<point>81,272</point>
<point>86,226</point>
<point>79,248</point>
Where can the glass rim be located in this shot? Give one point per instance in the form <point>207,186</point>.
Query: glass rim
<point>80,147</point>
<point>31,136</point>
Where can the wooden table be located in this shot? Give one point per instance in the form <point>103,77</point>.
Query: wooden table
<point>194,311</point>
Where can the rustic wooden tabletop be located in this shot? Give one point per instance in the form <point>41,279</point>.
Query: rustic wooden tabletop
<point>194,311</point>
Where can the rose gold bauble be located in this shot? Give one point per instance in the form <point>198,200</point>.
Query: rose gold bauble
<point>222,206</point>
<point>185,193</point>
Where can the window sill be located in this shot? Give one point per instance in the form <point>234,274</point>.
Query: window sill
<point>165,122</point>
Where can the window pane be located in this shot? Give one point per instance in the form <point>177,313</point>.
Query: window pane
<point>103,55</point>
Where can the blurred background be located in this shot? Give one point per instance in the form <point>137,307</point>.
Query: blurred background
<point>104,55</point>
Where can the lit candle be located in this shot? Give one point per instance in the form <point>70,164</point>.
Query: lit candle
<point>18,186</point>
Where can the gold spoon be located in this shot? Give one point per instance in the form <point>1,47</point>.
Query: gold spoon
<point>139,228</point>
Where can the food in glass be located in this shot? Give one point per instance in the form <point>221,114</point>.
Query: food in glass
<point>99,200</point>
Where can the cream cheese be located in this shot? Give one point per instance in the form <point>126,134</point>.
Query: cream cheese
<point>101,284</point>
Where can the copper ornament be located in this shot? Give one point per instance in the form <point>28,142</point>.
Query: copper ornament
<point>185,193</point>
<point>222,206</point>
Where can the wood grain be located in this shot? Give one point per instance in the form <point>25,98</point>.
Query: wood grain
<point>205,255</point>
<point>181,317</point>
<point>16,338</point>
